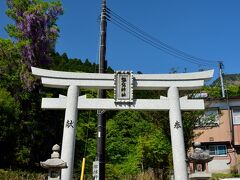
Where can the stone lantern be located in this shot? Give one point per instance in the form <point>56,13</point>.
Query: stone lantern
<point>54,165</point>
<point>199,158</point>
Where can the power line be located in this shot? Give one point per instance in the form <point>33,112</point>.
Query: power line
<point>178,53</point>
<point>155,39</point>
<point>156,45</point>
<point>147,38</point>
<point>153,43</point>
<point>162,47</point>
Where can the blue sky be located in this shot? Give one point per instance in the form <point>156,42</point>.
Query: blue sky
<point>206,29</point>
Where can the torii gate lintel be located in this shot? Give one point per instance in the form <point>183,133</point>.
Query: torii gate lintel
<point>173,83</point>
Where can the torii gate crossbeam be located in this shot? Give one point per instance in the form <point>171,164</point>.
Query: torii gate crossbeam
<point>170,82</point>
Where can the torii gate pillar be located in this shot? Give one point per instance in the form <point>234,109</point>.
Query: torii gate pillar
<point>69,131</point>
<point>177,138</point>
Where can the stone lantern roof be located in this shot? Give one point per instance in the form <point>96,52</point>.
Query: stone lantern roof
<point>55,162</point>
<point>200,156</point>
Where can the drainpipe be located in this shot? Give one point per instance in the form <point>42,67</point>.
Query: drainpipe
<point>232,141</point>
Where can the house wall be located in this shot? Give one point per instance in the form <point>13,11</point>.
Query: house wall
<point>219,133</point>
<point>237,134</point>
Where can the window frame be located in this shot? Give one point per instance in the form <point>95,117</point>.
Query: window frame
<point>235,122</point>
<point>215,123</point>
<point>216,150</point>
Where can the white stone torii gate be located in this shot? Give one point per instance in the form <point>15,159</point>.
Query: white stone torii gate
<point>73,81</point>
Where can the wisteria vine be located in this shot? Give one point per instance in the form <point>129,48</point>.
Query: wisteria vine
<point>35,24</point>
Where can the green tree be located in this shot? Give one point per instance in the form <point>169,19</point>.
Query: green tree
<point>35,30</point>
<point>134,144</point>
<point>34,34</point>
<point>154,149</point>
<point>9,118</point>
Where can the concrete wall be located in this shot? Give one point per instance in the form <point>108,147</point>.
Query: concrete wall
<point>223,164</point>
<point>219,165</point>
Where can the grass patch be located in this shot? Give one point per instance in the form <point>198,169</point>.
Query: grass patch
<point>21,175</point>
<point>216,176</point>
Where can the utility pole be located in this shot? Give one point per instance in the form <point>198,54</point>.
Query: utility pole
<point>220,65</point>
<point>101,135</point>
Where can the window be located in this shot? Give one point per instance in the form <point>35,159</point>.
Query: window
<point>236,115</point>
<point>210,118</point>
<point>218,150</point>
